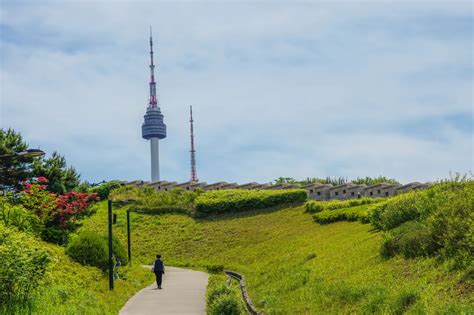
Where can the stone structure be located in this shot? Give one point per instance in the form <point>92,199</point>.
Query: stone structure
<point>346,191</point>
<point>381,190</point>
<point>316,191</point>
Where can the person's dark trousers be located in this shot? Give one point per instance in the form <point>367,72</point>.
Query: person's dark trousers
<point>159,278</point>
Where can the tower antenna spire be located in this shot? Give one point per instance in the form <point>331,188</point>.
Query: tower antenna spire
<point>153,127</point>
<point>153,102</point>
<point>194,178</point>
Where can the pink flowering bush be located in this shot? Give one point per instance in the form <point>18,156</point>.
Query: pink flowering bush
<point>58,213</point>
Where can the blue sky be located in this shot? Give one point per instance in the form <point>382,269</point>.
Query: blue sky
<point>312,89</point>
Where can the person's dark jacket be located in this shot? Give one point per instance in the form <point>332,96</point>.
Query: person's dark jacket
<point>158,266</point>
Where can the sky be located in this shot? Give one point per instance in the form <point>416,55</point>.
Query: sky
<point>292,89</point>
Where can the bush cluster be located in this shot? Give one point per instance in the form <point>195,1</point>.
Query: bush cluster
<point>22,265</point>
<point>223,299</point>
<point>434,222</point>
<point>313,206</point>
<point>236,200</point>
<point>357,213</point>
<point>91,249</point>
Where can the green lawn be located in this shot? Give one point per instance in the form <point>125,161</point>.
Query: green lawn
<point>294,265</point>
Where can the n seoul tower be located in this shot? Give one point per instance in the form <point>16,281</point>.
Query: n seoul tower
<point>153,128</point>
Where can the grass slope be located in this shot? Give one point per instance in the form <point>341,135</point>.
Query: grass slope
<point>295,266</point>
<point>70,288</point>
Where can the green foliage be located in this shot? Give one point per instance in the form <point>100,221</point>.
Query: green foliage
<point>214,268</point>
<point>16,215</point>
<point>104,190</point>
<point>22,267</point>
<point>411,239</point>
<point>223,299</point>
<point>313,206</point>
<point>357,213</point>
<point>437,221</point>
<point>90,249</point>
<point>118,250</point>
<point>285,180</point>
<point>452,227</point>
<point>175,201</point>
<point>235,200</point>
<point>400,209</point>
<point>342,180</point>
<point>13,170</point>
<point>374,181</point>
<point>61,177</point>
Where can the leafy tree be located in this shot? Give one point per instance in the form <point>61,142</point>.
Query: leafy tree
<point>61,177</point>
<point>374,180</point>
<point>285,180</point>
<point>14,169</point>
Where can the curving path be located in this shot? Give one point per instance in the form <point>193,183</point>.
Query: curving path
<point>184,292</point>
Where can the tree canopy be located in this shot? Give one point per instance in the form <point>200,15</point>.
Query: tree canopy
<point>15,169</point>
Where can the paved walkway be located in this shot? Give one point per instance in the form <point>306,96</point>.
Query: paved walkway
<point>184,292</point>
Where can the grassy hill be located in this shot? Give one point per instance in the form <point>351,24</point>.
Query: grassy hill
<point>294,265</point>
<point>70,288</point>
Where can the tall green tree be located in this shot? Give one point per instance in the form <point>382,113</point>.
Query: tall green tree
<point>61,177</point>
<point>13,169</point>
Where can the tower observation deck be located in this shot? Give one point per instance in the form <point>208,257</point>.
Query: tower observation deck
<point>153,127</point>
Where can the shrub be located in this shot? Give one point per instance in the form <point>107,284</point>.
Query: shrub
<point>437,221</point>
<point>404,301</point>
<point>411,239</point>
<point>221,298</point>
<point>118,250</point>
<point>89,249</point>
<point>314,206</point>
<point>452,227</point>
<point>58,214</point>
<point>358,213</point>
<point>399,209</point>
<point>22,266</point>
<point>92,249</point>
<point>416,241</point>
<point>16,215</point>
<point>104,190</point>
<point>226,304</point>
<point>214,268</point>
<point>235,200</point>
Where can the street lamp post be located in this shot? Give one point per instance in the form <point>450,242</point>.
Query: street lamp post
<point>111,263</point>
<point>26,153</point>
<point>110,235</point>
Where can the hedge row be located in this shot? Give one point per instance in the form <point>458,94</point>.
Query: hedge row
<point>237,200</point>
<point>359,213</point>
<point>314,206</point>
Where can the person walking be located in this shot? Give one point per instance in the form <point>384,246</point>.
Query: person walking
<point>159,270</point>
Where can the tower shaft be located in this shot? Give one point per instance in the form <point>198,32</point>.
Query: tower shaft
<point>193,150</point>
<point>155,159</point>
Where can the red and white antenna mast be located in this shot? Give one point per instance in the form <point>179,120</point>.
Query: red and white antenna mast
<point>153,102</point>
<point>193,151</point>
